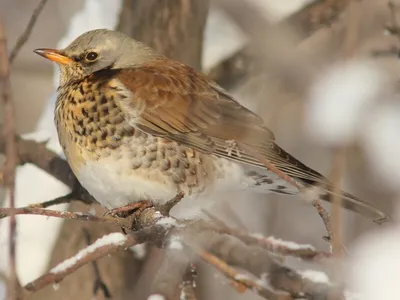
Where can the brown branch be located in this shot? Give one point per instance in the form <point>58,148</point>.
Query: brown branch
<point>233,253</point>
<point>23,38</point>
<point>9,134</point>
<point>73,196</point>
<point>271,244</point>
<point>226,252</point>
<point>120,223</point>
<point>321,211</point>
<point>153,229</point>
<point>166,208</point>
<point>326,219</point>
<point>240,278</point>
<point>29,151</point>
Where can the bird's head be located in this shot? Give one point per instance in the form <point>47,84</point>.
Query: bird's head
<point>97,50</point>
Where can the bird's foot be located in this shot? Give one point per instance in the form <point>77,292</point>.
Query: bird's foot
<point>127,210</point>
<point>232,148</point>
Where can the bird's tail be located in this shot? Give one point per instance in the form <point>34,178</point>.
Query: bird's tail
<point>356,205</point>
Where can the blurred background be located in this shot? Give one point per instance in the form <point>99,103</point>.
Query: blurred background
<point>279,89</point>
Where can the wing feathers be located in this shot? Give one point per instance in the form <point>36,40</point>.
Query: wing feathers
<point>184,106</point>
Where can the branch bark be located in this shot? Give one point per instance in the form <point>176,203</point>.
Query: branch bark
<point>9,135</point>
<point>174,28</point>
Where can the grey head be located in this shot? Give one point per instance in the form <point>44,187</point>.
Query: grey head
<point>97,50</point>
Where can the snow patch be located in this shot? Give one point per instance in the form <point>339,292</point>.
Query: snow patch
<point>175,242</point>
<point>110,239</point>
<point>281,243</point>
<point>315,276</point>
<point>167,222</point>
<point>156,297</point>
<point>139,251</point>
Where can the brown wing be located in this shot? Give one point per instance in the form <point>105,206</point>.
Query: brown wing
<point>180,104</point>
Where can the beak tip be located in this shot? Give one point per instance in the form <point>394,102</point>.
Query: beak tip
<point>53,55</point>
<point>40,52</point>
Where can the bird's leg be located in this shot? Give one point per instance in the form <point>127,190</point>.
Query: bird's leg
<point>127,210</point>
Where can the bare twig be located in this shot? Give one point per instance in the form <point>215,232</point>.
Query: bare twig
<point>230,272</point>
<point>59,200</point>
<point>260,264</point>
<point>154,228</point>
<point>321,211</point>
<point>7,212</point>
<point>166,208</point>
<point>325,218</point>
<point>271,244</point>
<point>227,249</point>
<point>337,171</point>
<point>11,158</point>
<point>29,151</point>
<point>339,155</point>
<point>27,32</point>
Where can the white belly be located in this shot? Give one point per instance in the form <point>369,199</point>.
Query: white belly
<point>113,183</point>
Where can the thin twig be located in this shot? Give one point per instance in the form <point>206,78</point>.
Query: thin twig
<point>9,133</point>
<point>337,171</point>
<point>99,284</point>
<point>166,208</point>
<point>242,279</point>
<point>325,218</point>
<point>321,211</point>
<point>271,244</point>
<point>7,212</point>
<point>27,32</point>
<point>59,200</point>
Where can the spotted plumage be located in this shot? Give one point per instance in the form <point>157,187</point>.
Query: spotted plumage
<point>135,125</point>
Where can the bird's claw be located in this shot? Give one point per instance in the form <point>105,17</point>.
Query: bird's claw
<point>127,210</point>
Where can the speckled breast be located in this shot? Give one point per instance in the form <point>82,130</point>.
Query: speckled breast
<point>104,149</point>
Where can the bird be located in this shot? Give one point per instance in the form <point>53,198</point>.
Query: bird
<point>136,125</point>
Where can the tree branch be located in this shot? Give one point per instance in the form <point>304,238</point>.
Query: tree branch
<point>9,135</point>
<point>28,30</point>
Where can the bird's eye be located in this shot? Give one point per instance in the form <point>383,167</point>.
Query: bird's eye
<point>91,56</point>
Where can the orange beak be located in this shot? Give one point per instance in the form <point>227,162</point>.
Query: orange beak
<point>54,55</point>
